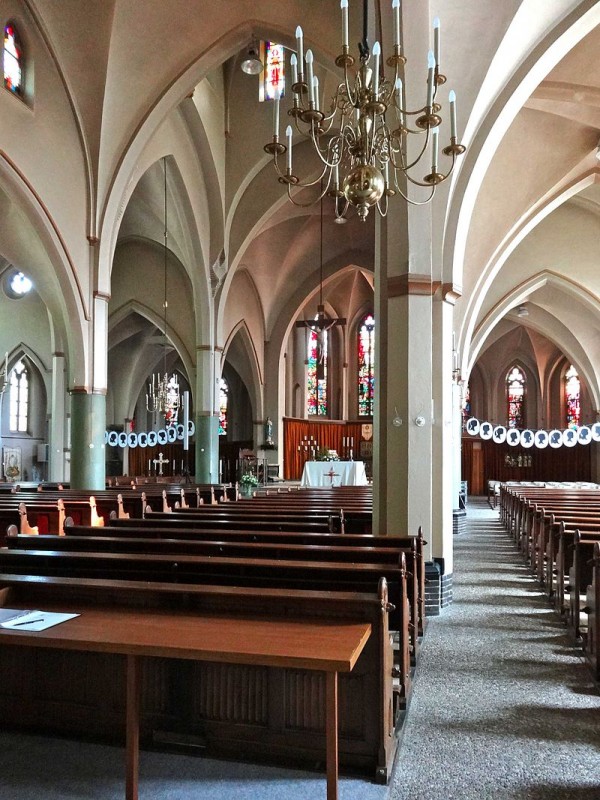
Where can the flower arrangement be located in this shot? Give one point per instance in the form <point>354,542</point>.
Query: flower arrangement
<point>11,471</point>
<point>249,479</point>
<point>323,454</point>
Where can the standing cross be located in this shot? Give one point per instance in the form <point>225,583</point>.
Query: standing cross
<point>331,475</point>
<point>160,461</point>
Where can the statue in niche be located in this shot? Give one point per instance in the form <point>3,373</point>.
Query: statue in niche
<point>269,431</point>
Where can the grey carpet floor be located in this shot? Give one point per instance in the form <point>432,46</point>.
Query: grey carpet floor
<point>503,707</point>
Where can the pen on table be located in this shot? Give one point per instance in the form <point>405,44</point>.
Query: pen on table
<point>28,622</point>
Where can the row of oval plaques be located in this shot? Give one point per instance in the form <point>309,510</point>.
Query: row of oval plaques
<point>527,438</point>
<point>142,439</point>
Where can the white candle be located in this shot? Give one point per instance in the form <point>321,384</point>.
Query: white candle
<point>309,76</point>
<point>173,465</point>
<point>430,77</point>
<point>336,175</point>
<point>148,465</point>
<point>434,150</point>
<point>316,91</point>
<point>276,117</point>
<point>344,7</point>
<point>452,99</point>
<point>294,66</point>
<point>396,12</point>
<point>436,40</point>
<point>288,136</point>
<point>300,47</point>
<point>376,57</point>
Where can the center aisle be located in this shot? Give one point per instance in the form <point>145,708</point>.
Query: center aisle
<point>503,707</point>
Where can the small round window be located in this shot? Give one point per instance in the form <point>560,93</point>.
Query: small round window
<point>17,285</point>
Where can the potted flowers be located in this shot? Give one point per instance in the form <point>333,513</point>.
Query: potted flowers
<point>248,482</point>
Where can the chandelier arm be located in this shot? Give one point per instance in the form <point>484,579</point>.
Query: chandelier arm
<point>382,212</point>
<point>418,202</point>
<point>320,154</point>
<point>404,167</point>
<point>304,186</point>
<point>415,182</point>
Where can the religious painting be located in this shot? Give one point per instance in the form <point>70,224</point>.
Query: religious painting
<point>366,449</point>
<point>11,463</point>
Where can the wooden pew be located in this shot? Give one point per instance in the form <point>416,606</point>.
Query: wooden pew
<point>592,609</point>
<point>262,572</point>
<point>227,709</point>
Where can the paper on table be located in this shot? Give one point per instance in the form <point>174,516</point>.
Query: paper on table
<point>19,619</point>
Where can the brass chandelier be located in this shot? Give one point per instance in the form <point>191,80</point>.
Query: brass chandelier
<point>362,139</point>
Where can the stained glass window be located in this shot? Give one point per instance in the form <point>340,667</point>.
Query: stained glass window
<point>272,82</point>
<point>19,398</point>
<point>223,402</point>
<point>366,360</point>
<point>466,405</point>
<point>572,397</point>
<point>13,60</point>
<point>515,394</point>
<point>316,373</point>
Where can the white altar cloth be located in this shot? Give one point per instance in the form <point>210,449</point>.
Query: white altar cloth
<point>334,473</point>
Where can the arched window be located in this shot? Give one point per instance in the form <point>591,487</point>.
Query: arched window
<point>12,60</point>
<point>223,402</point>
<point>572,397</point>
<point>316,373</point>
<point>272,82</point>
<point>19,398</point>
<point>515,395</point>
<point>366,360</point>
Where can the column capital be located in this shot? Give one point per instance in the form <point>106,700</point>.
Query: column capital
<point>412,283</point>
<point>451,292</point>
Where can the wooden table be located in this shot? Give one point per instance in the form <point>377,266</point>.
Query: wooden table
<point>330,647</point>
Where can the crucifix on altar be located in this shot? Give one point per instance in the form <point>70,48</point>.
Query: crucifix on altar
<point>331,475</point>
<point>160,461</point>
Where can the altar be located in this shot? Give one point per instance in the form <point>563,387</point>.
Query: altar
<point>334,473</point>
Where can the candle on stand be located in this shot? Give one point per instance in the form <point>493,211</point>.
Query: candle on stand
<point>182,466</point>
<point>148,466</point>
<point>173,465</point>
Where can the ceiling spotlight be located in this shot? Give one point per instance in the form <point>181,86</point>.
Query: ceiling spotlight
<point>252,65</point>
<point>522,311</point>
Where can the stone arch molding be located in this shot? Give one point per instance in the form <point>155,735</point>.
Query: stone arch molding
<point>255,391</point>
<point>486,140</point>
<point>62,292</point>
<point>122,182</point>
<point>509,244</point>
<point>135,307</point>
<point>558,333</point>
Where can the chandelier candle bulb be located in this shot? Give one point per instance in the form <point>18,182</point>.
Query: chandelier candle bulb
<point>316,92</point>
<point>309,76</point>
<point>300,47</point>
<point>344,7</point>
<point>276,118</point>
<point>434,151</point>
<point>396,12</point>
<point>436,40</point>
<point>430,79</point>
<point>376,57</point>
<point>288,136</point>
<point>452,101</point>
<point>294,66</point>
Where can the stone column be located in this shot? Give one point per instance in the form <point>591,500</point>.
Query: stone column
<point>88,423</point>
<point>58,412</point>
<point>206,415</point>
<point>402,459</point>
